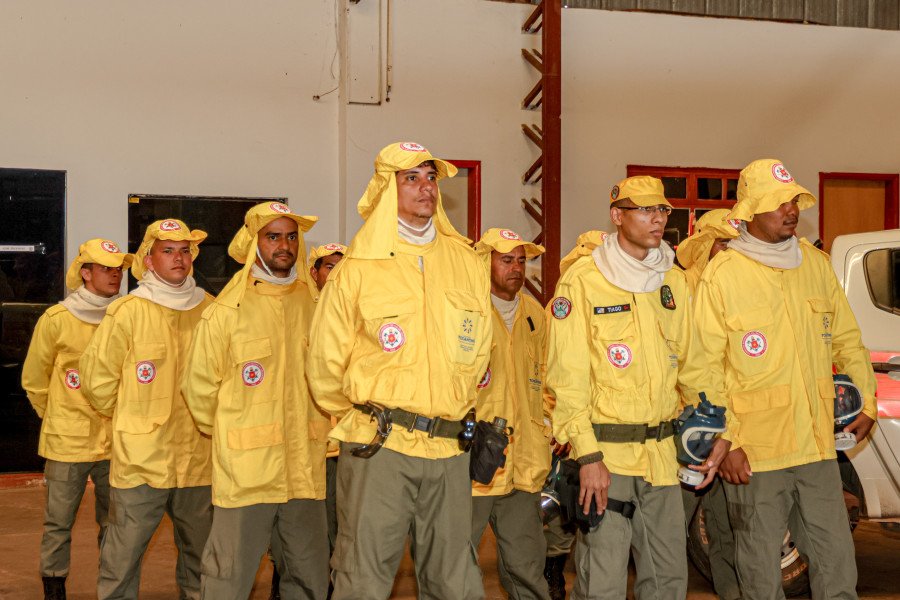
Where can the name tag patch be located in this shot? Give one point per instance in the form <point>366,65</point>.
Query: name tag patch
<point>609,310</point>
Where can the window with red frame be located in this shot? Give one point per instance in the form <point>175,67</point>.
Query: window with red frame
<point>692,192</point>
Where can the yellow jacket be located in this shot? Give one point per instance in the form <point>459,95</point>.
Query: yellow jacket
<point>131,370</point>
<point>766,341</point>
<point>245,386</point>
<point>618,357</point>
<point>402,336</point>
<point>71,431</point>
<point>512,389</point>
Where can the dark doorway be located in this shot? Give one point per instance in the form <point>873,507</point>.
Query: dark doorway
<point>219,217</point>
<point>32,263</point>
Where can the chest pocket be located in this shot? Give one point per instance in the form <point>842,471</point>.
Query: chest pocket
<point>823,319</point>
<point>616,358</point>
<point>250,361</point>
<point>152,378</point>
<point>70,377</point>
<point>751,334</point>
<point>463,326</point>
<point>671,334</point>
<point>390,325</point>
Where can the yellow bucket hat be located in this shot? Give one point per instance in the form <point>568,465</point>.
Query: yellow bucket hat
<point>643,190</point>
<point>503,241</point>
<point>764,185</point>
<point>378,237</point>
<point>711,226</point>
<point>584,245</point>
<point>325,250</point>
<point>100,251</point>
<point>167,229</point>
<point>243,247</point>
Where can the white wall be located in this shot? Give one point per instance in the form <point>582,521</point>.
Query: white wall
<point>641,88</point>
<point>170,97</point>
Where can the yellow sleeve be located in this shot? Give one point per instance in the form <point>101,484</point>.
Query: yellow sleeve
<point>849,355</point>
<point>483,353</point>
<point>101,365</point>
<point>706,356</point>
<point>331,339</point>
<point>206,367</point>
<point>549,402</point>
<point>691,374</point>
<point>569,371</point>
<point>38,366</point>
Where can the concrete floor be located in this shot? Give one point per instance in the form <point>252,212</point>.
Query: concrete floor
<point>21,516</point>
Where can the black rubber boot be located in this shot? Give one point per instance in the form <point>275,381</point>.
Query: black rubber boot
<point>553,573</point>
<point>275,594</point>
<point>54,588</point>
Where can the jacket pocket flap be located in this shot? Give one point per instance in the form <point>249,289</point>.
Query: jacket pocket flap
<point>69,427</point>
<point>132,423</point>
<point>260,436</point>
<point>251,349</point>
<point>750,319</point>
<point>149,351</point>
<point>826,387</point>
<point>66,360</point>
<point>384,308</point>
<point>758,400</point>
<point>820,305</point>
<point>614,327</point>
<point>462,300</point>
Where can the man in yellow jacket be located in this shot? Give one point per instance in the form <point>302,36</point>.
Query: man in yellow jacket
<point>403,325</point>
<point>322,260</point>
<point>245,386</point>
<point>511,389</point>
<point>771,319</point>
<point>131,370</point>
<point>618,341</point>
<point>75,439</point>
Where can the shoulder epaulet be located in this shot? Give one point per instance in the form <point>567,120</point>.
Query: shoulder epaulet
<point>583,264</point>
<point>722,258</point>
<point>806,243</point>
<point>119,303</point>
<point>56,309</point>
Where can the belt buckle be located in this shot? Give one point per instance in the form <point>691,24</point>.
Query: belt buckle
<point>651,433</point>
<point>423,423</point>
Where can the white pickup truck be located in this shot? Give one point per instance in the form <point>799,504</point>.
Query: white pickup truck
<point>868,267</point>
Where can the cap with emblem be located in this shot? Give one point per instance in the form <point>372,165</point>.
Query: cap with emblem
<point>242,247</point>
<point>764,185</point>
<point>325,250</point>
<point>505,240</point>
<point>643,190</point>
<point>100,251</point>
<point>167,229</point>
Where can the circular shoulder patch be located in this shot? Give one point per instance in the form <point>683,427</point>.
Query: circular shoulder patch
<point>614,194</point>
<point>412,147</point>
<point>736,223</point>
<point>252,374</point>
<point>754,344</point>
<point>109,246</point>
<point>561,307</point>
<point>619,355</point>
<point>781,174</point>
<point>280,208</point>
<point>391,336</point>
<point>169,225</point>
<point>485,380</point>
<point>146,371</point>
<point>73,379</point>
<point>508,234</point>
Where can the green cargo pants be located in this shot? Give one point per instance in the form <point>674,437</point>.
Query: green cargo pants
<point>65,488</point>
<point>521,548</point>
<point>759,513</point>
<point>134,516</point>
<point>384,499</point>
<point>721,537</point>
<point>655,534</point>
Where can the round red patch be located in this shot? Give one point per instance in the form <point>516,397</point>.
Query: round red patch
<point>508,234</point>
<point>754,344</point>
<point>485,380</point>
<point>146,371</point>
<point>334,247</point>
<point>252,373</point>
<point>619,355</point>
<point>109,246</point>
<point>391,336</point>
<point>561,307</point>
<point>736,223</point>
<point>280,208</point>
<point>169,225</point>
<point>781,174</point>
<point>73,379</point>
<point>412,147</point>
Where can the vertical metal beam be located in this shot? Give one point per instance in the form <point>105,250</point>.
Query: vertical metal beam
<point>552,144</point>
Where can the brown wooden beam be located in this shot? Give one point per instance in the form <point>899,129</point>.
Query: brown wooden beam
<point>532,134</point>
<point>531,25</point>
<point>529,176</point>
<point>533,58</point>
<point>529,102</point>
<point>551,167</point>
<point>532,212</point>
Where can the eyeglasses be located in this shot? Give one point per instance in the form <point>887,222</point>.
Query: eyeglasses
<point>649,210</point>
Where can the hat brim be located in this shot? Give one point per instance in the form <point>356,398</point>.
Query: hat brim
<point>505,246</point>
<point>647,200</point>
<point>746,209</point>
<point>110,259</point>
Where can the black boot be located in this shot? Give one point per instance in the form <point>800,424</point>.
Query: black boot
<point>553,573</point>
<point>54,588</point>
<point>276,582</point>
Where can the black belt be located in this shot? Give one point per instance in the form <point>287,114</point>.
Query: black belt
<point>434,427</point>
<point>621,434</point>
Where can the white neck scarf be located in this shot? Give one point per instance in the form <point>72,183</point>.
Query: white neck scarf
<point>265,273</point>
<point>87,306</point>
<point>177,297</point>
<point>781,255</point>
<point>507,309</point>
<point>416,235</point>
<point>626,272</point>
